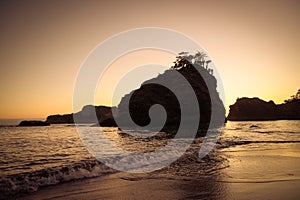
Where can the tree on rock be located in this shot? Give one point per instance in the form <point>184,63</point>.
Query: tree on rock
<point>294,97</point>
<point>184,59</point>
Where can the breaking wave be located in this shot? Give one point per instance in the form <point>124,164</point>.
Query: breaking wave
<point>31,181</point>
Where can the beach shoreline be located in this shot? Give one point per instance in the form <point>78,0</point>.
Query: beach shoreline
<point>250,160</point>
<point>124,186</point>
<point>247,176</point>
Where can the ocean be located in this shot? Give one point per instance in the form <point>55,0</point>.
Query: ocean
<point>246,152</point>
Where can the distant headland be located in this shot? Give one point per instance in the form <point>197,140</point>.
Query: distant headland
<point>33,123</point>
<point>255,109</point>
<point>104,116</point>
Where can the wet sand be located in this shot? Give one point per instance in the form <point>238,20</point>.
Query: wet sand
<point>122,186</point>
<point>258,173</point>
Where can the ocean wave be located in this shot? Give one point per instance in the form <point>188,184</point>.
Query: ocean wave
<point>21,183</point>
<point>188,165</point>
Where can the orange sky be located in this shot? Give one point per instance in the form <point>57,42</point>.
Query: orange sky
<point>254,45</point>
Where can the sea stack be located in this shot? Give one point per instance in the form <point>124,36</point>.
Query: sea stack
<point>203,84</point>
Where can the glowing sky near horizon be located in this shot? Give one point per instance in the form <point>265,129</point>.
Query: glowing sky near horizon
<point>254,45</point>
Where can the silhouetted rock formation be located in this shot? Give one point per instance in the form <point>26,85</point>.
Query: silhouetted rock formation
<point>60,119</point>
<point>182,76</point>
<point>103,116</point>
<point>33,123</point>
<point>149,94</point>
<point>248,109</point>
<point>289,110</point>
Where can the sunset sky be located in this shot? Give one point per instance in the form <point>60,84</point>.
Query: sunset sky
<point>255,46</point>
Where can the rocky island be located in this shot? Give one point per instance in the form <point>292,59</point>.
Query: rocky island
<point>195,72</point>
<point>255,109</point>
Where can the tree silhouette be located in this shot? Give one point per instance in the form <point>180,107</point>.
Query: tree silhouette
<point>184,59</point>
<point>200,58</point>
<point>294,97</point>
<point>298,94</point>
<point>207,62</point>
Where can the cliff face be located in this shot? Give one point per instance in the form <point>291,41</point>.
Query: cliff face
<point>149,94</point>
<point>248,109</point>
<point>103,113</point>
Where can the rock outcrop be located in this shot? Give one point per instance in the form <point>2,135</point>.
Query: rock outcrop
<point>289,110</point>
<point>255,109</point>
<point>104,116</point>
<point>60,119</point>
<point>203,85</point>
<point>33,123</point>
<point>192,82</point>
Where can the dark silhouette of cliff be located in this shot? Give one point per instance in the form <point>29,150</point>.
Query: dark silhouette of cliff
<point>103,114</point>
<point>255,109</point>
<point>60,119</point>
<point>203,85</point>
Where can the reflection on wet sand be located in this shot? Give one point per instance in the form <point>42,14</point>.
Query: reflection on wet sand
<point>262,171</point>
<point>128,186</point>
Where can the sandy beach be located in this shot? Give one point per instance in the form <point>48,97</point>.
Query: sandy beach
<point>248,176</point>
<point>120,186</point>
